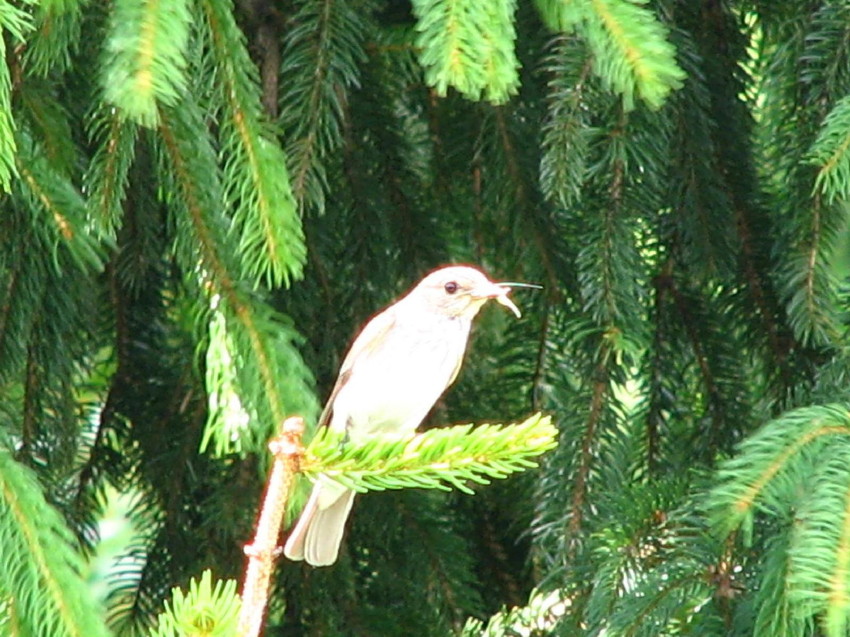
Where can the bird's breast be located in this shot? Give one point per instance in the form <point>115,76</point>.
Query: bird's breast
<point>394,386</point>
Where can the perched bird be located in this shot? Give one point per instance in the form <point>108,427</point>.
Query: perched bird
<point>395,371</point>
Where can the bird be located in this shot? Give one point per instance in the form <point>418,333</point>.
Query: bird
<point>395,370</point>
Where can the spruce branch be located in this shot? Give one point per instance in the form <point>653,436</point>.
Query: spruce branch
<point>820,549</point>
<point>795,470</point>
<point>632,55</point>
<point>831,153</point>
<point>263,342</point>
<point>540,616</point>
<point>766,469</point>
<point>58,206</point>
<point>254,177</point>
<point>42,588</point>
<point>810,281</point>
<point>17,23</point>
<point>321,65</point>
<point>49,122</point>
<point>704,216</point>
<point>566,130</point>
<point>146,57</point>
<point>469,46</point>
<point>56,36</point>
<point>436,459</point>
<point>632,52</point>
<point>449,456</point>
<point>107,175</point>
<point>207,609</point>
<point>804,133</point>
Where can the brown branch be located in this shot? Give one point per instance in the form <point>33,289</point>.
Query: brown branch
<point>442,580</point>
<point>11,286</point>
<point>761,297</point>
<point>525,204</point>
<point>29,421</point>
<point>120,379</point>
<point>502,571</point>
<point>654,418</point>
<point>600,379</point>
<point>538,378</point>
<point>688,322</point>
<point>287,451</point>
<point>813,250</point>
<point>300,173</point>
<point>268,40</point>
<point>717,21</point>
<point>600,389</point>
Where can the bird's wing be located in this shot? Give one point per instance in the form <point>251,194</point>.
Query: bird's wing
<point>456,371</point>
<point>366,342</point>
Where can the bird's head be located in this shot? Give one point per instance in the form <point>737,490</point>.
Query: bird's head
<point>460,292</point>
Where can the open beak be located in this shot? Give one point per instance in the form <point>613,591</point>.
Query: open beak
<point>503,299</point>
<point>499,293</point>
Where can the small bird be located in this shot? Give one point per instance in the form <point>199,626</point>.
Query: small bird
<point>396,369</point>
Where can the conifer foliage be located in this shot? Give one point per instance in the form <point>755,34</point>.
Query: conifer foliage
<point>203,200</point>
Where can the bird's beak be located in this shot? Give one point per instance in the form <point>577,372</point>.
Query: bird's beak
<point>500,294</point>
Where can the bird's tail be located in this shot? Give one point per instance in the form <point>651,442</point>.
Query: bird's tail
<point>318,533</point>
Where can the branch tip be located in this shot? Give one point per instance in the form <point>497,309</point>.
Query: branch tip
<point>289,442</point>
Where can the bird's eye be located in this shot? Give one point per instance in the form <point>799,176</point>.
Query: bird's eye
<point>451,287</point>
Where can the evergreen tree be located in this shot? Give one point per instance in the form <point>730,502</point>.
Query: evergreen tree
<point>202,202</point>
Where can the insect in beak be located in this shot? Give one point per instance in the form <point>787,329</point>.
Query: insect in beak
<point>501,290</point>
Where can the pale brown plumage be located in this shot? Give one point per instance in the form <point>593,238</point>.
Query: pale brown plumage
<point>398,366</point>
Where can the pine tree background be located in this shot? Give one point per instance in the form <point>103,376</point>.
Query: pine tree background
<point>202,202</point>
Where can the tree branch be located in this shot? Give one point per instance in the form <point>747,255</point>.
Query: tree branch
<point>287,451</point>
